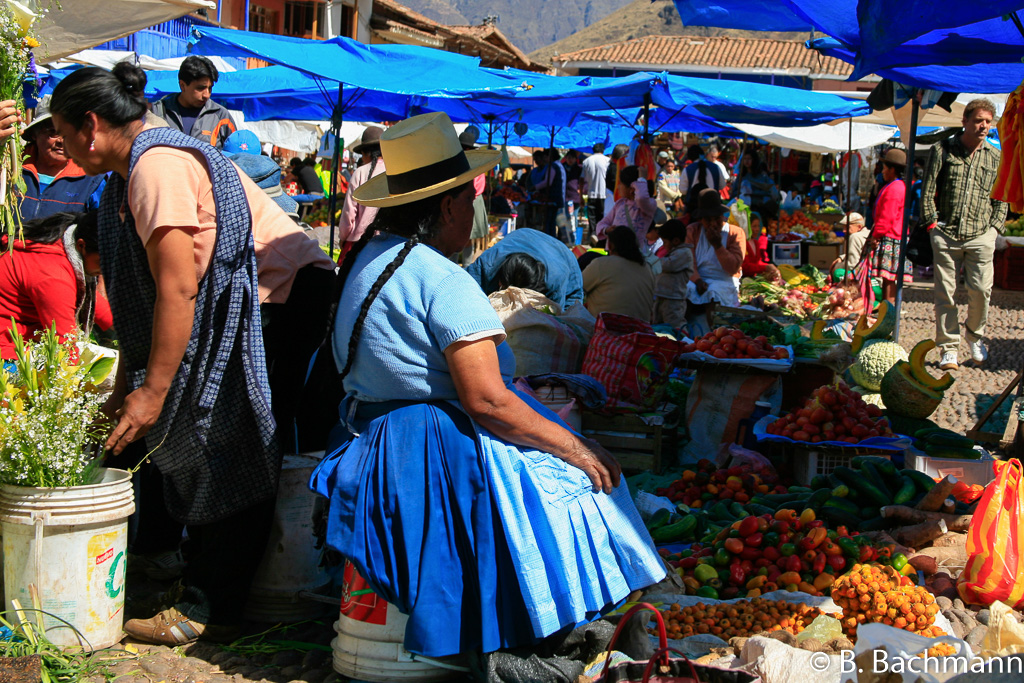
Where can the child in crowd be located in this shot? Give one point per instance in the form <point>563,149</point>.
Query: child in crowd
<point>676,268</point>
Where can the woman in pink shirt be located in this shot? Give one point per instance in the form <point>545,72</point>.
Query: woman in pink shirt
<point>887,230</point>
<point>635,210</point>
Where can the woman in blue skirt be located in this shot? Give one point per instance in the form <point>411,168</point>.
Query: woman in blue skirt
<point>472,508</point>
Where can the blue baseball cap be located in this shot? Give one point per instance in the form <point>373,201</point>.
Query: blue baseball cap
<point>242,141</point>
<point>265,172</point>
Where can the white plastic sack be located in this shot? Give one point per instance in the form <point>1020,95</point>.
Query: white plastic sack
<point>776,662</point>
<point>885,654</point>
<point>542,337</point>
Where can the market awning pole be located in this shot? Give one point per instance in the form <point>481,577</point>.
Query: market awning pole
<point>847,194</point>
<point>908,178</point>
<point>335,165</point>
<point>647,116</point>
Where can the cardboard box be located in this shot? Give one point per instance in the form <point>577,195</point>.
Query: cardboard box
<point>822,256</point>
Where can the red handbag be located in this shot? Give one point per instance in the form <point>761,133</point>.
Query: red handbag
<point>660,668</point>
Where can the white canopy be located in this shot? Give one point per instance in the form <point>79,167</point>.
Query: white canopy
<point>823,139</point>
<point>108,58</point>
<point>934,116</point>
<point>299,136</point>
<point>81,24</point>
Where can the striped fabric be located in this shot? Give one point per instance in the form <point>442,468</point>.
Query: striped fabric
<point>995,543</point>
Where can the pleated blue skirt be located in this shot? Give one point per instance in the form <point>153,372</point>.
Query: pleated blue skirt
<point>482,544</point>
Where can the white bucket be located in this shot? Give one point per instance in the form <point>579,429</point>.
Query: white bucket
<point>557,398</point>
<point>70,543</point>
<point>370,635</point>
<point>291,563</point>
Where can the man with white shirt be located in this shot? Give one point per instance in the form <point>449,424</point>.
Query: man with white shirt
<point>595,167</point>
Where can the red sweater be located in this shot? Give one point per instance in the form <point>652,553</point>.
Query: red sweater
<point>37,289</point>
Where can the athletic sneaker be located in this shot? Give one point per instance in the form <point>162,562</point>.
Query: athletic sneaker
<point>979,354</point>
<point>948,361</point>
<point>172,628</point>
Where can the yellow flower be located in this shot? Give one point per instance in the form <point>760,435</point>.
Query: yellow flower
<point>31,42</point>
<point>22,14</point>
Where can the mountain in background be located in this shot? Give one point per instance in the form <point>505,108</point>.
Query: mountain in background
<point>529,24</point>
<point>638,19</point>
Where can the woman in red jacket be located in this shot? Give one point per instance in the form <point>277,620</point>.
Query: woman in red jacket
<point>887,229</point>
<point>49,278</point>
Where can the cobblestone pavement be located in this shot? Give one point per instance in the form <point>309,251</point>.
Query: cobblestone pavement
<point>976,387</point>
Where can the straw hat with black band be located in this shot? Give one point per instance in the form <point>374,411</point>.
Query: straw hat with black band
<point>424,158</point>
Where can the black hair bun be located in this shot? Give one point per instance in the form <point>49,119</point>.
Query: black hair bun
<point>132,77</point>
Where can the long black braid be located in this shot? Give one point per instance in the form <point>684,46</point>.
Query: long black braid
<point>418,221</point>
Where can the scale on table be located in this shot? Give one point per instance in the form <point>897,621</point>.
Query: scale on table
<point>786,253</point>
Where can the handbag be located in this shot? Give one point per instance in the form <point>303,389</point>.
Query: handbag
<point>630,360</point>
<point>660,668</point>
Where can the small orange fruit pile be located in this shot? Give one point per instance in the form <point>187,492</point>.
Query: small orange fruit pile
<point>872,593</point>
<point>739,619</point>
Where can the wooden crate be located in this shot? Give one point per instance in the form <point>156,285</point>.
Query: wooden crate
<point>635,443</point>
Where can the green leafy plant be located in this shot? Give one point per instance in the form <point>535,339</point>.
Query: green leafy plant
<point>48,413</point>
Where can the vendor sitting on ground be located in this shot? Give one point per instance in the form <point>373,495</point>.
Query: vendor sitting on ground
<point>620,282</point>
<point>469,507</point>
<point>48,278</point>
<point>522,271</point>
<point>856,237</point>
<point>719,249</point>
<point>563,281</point>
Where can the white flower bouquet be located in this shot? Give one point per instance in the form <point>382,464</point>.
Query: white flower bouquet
<point>48,413</point>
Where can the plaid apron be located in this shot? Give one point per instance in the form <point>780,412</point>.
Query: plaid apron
<point>214,440</point>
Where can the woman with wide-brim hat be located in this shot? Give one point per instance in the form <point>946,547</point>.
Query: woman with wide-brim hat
<point>475,511</point>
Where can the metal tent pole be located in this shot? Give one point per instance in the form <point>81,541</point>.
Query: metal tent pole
<point>908,178</point>
<point>335,165</point>
<point>847,195</point>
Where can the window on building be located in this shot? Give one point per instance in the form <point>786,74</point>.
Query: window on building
<point>304,19</point>
<point>262,20</point>
<point>348,22</point>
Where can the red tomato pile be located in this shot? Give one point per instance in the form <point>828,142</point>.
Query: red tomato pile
<point>833,413</point>
<point>728,342</point>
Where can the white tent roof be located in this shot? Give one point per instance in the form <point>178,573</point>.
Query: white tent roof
<point>823,139</point>
<point>300,136</point>
<point>933,116</point>
<point>81,24</point>
<point>108,58</point>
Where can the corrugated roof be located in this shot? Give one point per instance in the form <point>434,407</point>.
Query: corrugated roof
<point>720,52</point>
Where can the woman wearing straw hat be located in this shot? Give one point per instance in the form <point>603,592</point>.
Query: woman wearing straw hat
<point>474,510</point>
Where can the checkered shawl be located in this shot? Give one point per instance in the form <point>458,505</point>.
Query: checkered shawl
<point>214,441</point>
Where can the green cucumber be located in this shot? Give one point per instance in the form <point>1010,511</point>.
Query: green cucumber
<point>947,452</point>
<point>819,498</point>
<point>680,531</point>
<point>737,510</point>
<point>857,481</point>
<point>923,481</point>
<point>906,492</point>
<point>800,489</point>
<point>759,510</point>
<point>868,512</point>
<point>837,517</point>
<point>820,481</point>
<point>843,505</point>
<point>878,492</point>
<point>859,460</point>
<point>659,519</point>
<point>875,524</point>
<point>949,441</point>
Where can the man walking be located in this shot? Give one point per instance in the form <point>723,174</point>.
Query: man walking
<point>192,111</point>
<point>594,169</point>
<point>963,221</point>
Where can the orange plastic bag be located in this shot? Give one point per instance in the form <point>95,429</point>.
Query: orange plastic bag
<point>995,543</point>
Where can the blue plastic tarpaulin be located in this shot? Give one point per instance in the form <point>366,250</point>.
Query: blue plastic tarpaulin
<point>758,103</point>
<point>940,44</point>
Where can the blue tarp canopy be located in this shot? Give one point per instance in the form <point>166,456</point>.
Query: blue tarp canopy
<point>924,43</point>
<point>741,102</point>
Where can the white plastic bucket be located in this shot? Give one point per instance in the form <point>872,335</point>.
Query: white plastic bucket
<point>370,635</point>
<point>291,562</point>
<point>556,398</point>
<point>70,543</point>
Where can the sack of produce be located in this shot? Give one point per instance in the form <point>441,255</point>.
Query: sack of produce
<point>543,338</point>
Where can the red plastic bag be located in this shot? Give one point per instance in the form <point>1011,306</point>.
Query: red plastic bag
<point>630,360</point>
<point>995,543</point>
